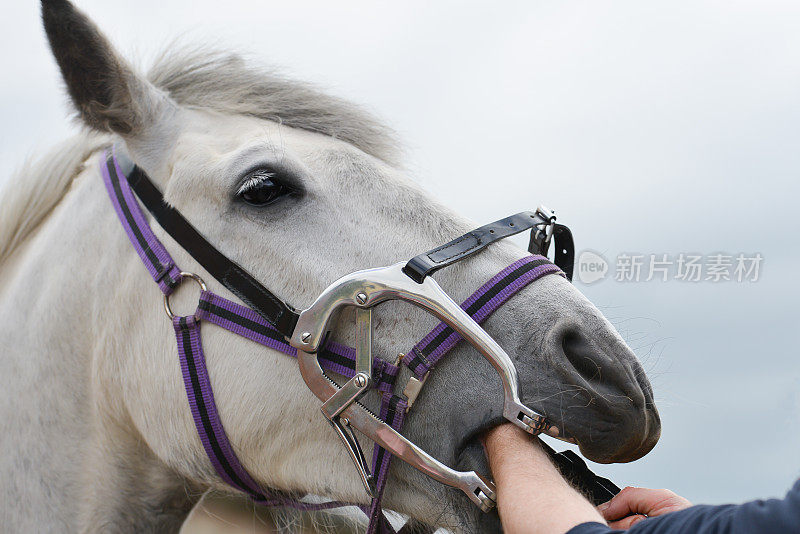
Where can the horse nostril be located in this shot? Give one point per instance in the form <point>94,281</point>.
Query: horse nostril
<point>588,360</point>
<point>613,416</point>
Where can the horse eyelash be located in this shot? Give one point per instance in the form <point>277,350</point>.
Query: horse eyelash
<point>254,180</point>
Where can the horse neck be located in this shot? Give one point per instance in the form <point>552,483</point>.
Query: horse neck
<point>67,444</point>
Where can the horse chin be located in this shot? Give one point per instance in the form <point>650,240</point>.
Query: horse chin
<point>626,440</point>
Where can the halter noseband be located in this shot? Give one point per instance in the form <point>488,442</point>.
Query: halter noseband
<point>271,322</point>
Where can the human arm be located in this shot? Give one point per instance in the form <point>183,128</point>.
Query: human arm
<point>532,496</point>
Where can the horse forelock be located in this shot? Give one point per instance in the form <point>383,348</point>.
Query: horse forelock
<point>223,81</point>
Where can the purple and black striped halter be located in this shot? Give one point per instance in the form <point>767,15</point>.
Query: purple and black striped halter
<point>271,323</point>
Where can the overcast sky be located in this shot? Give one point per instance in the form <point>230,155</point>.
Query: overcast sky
<point>652,128</point>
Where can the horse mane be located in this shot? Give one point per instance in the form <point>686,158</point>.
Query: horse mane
<point>199,78</point>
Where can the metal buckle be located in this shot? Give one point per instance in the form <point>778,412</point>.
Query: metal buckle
<point>546,213</point>
<point>413,386</point>
<point>542,233</point>
<point>366,289</point>
<point>412,389</point>
<point>184,275</point>
<point>549,216</point>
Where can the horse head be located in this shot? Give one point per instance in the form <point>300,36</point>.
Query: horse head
<point>301,188</point>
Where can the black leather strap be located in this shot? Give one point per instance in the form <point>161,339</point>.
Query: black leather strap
<point>573,468</point>
<point>564,254</point>
<point>468,244</point>
<point>227,272</point>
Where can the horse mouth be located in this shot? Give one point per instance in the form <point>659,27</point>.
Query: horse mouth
<point>628,439</point>
<point>625,437</point>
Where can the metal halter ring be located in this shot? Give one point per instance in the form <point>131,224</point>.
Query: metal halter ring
<point>184,275</point>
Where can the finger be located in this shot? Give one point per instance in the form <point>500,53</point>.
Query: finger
<point>630,501</point>
<point>626,522</point>
<point>619,506</point>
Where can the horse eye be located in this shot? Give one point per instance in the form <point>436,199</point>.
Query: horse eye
<point>261,189</point>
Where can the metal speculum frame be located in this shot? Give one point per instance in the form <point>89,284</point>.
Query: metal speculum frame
<point>366,289</point>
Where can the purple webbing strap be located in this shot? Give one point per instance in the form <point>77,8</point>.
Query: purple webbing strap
<point>209,426</point>
<point>204,409</point>
<point>480,305</point>
<point>334,357</point>
<point>200,395</point>
<point>393,412</point>
<point>155,257</point>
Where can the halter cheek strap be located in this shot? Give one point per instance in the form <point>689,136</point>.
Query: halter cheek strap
<point>253,325</point>
<point>236,279</point>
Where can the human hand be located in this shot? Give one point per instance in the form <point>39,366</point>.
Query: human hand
<point>631,505</point>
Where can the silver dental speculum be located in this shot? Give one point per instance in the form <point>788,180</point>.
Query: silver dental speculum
<point>363,290</point>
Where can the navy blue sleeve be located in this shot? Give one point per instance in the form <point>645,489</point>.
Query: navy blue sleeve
<point>773,515</point>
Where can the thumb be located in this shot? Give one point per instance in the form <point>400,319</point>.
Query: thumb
<point>623,504</point>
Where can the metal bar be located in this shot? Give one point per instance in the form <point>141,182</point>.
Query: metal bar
<point>364,341</point>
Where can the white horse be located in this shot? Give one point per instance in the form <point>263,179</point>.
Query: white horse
<point>95,430</point>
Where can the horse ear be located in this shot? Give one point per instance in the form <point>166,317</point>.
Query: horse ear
<point>108,94</point>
